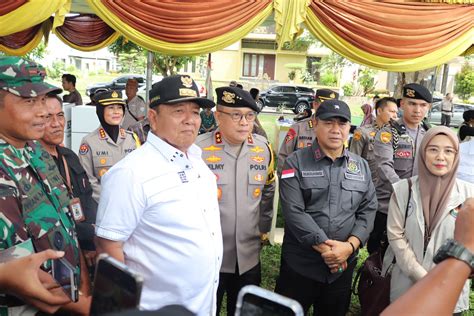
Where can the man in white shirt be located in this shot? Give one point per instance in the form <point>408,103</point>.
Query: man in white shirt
<point>158,209</point>
<point>466,161</point>
<point>135,107</point>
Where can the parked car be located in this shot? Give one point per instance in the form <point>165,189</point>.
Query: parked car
<point>117,84</point>
<point>434,116</point>
<point>297,98</point>
<point>142,90</point>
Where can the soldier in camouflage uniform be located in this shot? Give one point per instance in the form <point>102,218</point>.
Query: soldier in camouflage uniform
<point>34,204</point>
<point>395,149</point>
<point>364,137</point>
<point>243,165</point>
<point>301,134</point>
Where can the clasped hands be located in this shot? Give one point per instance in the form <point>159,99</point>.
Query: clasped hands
<point>334,254</point>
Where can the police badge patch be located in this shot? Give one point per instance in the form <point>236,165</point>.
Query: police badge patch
<point>353,167</point>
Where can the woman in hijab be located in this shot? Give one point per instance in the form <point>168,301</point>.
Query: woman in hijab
<point>368,115</point>
<point>108,144</point>
<point>436,197</point>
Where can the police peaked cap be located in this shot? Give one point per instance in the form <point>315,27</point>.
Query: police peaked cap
<point>235,98</point>
<point>417,91</point>
<point>326,94</point>
<point>108,98</point>
<point>333,108</point>
<point>177,89</point>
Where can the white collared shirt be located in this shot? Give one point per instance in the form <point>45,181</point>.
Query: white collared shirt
<point>163,206</point>
<point>466,161</point>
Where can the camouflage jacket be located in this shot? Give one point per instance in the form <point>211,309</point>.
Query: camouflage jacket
<point>34,213</point>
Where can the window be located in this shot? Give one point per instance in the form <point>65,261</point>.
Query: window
<point>256,65</point>
<point>288,89</point>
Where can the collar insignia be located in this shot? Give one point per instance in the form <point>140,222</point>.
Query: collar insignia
<point>218,137</point>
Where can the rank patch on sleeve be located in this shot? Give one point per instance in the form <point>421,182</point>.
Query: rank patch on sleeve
<point>357,136</point>
<point>385,137</point>
<point>290,135</point>
<point>84,149</point>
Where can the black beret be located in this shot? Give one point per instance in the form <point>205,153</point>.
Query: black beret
<point>235,98</point>
<point>108,97</point>
<point>177,89</point>
<point>417,91</point>
<point>326,94</point>
<point>333,108</point>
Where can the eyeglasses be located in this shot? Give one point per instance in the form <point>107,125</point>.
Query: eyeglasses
<point>237,117</point>
<point>449,152</point>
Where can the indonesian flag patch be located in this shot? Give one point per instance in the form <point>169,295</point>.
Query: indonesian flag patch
<point>289,173</point>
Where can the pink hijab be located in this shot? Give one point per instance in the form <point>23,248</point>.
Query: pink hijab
<point>368,116</point>
<point>435,191</point>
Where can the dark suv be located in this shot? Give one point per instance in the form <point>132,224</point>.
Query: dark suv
<point>117,84</point>
<point>297,98</point>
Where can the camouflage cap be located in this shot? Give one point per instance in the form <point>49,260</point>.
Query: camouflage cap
<point>24,78</point>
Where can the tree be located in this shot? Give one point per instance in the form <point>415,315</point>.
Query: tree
<point>464,82</point>
<point>133,57</point>
<point>333,64</point>
<point>366,80</point>
<point>404,78</point>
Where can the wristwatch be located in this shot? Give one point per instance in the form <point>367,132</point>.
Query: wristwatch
<point>452,248</point>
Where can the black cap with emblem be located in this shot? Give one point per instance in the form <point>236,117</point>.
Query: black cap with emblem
<point>177,89</point>
<point>333,108</point>
<point>417,91</point>
<point>235,98</point>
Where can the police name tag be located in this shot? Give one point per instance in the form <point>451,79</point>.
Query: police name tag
<point>76,210</point>
<point>356,177</point>
<point>312,174</point>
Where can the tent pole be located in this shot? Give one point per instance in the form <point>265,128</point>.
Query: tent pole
<point>149,63</point>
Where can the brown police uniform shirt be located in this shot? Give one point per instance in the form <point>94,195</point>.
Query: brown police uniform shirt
<point>393,165</point>
<point>363,145</point>
<point>300,135</point>
<point>98,153</point>
<point>245,191</point>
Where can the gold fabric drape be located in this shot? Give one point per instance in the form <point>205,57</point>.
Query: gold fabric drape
<point>396,36</point>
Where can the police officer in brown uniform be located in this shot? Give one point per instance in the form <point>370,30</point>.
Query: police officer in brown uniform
<point>243,165</point>
<point>301,134</point>
<point>395,150</point>
<point>108,144</point>
<point>364,137</point>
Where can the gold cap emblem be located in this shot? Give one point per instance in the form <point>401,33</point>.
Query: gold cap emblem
<point>114,94</point>
<point>187,81</point>
<point>410,93</point>
<point>228,97</point>
<point>332,96</point>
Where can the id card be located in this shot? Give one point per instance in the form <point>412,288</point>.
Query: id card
<point>76,210</point>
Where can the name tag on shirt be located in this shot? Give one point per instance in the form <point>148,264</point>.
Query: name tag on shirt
<point>312,174</point>
<point>356,177</point>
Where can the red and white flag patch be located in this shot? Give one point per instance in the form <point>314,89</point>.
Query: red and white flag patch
<point>289,173</point>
